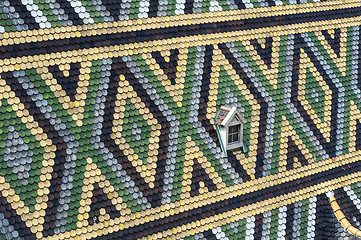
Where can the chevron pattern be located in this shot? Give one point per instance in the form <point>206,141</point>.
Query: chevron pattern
<point>22,15</point>
<point>108,132</point>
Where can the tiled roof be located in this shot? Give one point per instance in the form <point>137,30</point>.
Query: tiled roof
<point>223,112</point>
<point>22,15</point>
<point>107,112</point>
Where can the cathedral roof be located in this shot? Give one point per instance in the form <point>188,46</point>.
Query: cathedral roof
<point>108,117</point>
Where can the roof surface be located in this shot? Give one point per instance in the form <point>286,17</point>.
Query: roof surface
<point>107,119</point>
<point>223,112</point>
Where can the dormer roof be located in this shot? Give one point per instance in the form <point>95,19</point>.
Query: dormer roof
<point>228,115</point>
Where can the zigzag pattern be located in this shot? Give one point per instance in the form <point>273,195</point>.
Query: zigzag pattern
<point>109,137</point>
<point>17,15</point>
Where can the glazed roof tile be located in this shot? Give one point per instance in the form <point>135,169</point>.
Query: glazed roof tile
<point>107,112</point>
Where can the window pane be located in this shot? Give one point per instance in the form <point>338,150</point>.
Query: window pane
<point>233,129</point>
<point>230,140</point>
<point>236,137</point>
<point>233,134</point>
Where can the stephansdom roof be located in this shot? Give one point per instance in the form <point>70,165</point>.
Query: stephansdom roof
<point>107,119</point>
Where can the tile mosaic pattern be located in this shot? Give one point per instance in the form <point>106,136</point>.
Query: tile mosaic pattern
<point>107,127</point>
<point>21,15</point>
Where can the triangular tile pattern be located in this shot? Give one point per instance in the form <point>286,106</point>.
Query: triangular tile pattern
<point>168,69</point>
<point>293,153</point>
<point>293,150</point>
<point>333,37</point>
<point>264,49</point>
<point>100,201</point>
<point>200,179</point>
<point>69,83</point>
<point>334,42</point>
<point>265,52</point>
<point>168,63</point>
<point>67,79</point>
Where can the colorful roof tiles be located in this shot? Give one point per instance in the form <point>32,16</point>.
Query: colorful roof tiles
<point>107,119</point>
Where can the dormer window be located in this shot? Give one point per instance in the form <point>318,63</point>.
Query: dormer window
<point>229,125</point>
